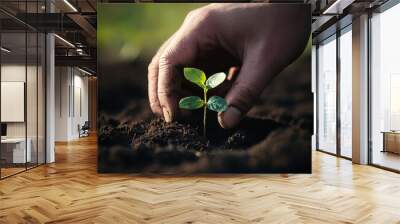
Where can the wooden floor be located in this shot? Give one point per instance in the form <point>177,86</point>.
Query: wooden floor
<point>70,191</point>
<point>5,172</point>
<point>387,159</point>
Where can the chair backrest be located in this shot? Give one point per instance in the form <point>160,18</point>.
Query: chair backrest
<point>86,124</point>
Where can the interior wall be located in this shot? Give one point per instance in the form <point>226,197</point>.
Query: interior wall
<point>71,102</point>
<point>62,81</point>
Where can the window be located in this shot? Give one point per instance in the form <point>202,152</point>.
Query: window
<point>385,89</point>
<point>346,92</point>
<point>334,137</point>
<point>327,95</point>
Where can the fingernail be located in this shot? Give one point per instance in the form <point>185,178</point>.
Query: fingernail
<point>167,115</point>
<point>230,118</point>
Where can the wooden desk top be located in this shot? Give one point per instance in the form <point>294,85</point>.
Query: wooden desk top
<point>391,132</point>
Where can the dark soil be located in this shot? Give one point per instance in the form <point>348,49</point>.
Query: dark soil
<point>158,133</point>
<point>275,138</point>
<point>154,143</point>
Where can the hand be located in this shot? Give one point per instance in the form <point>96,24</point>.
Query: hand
<point>260,39</point>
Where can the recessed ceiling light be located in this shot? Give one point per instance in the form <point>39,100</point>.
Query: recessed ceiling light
<point>5,50</point>
<point>84,71</point>
<point>338,6</point>
<point>70,5</point>
<point>64,40</point>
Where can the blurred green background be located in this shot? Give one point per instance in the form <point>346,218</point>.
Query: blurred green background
<point>128,31</point>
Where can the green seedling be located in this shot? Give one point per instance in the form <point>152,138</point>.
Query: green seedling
<point>215,103</point>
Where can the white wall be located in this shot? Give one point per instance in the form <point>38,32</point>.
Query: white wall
<point>17,73</point>
<point>14,72</point>
<point>62,81</point>
<point>71,93</point>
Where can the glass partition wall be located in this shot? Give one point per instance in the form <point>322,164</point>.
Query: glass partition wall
<point>22,98</point>
<point>334,94</point>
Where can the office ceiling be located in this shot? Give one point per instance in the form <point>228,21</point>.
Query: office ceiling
<point>74,21</point>
<point>16,42</point>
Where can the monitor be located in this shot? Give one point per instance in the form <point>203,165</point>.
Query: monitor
<point>3,129</point>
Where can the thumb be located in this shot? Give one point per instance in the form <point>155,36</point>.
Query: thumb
<point>246,89</point>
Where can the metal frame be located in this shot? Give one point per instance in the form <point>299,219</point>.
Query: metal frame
<point>26,89</point>
<point>317,97</point>
<point>338,98</point>
<point>369,90</point>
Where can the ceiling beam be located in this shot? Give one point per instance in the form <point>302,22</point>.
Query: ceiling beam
<point>81,61</point>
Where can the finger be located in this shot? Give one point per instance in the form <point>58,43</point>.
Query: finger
<point>196,32</point>
<point>233,72</point>
<point>180,51</point>
<point>249,84</point>
<point>152,77</point>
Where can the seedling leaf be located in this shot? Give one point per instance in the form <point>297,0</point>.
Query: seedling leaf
<point>196,76</point>
<point>191,103</point>
<point>217,104</point>
<point>214,80</point>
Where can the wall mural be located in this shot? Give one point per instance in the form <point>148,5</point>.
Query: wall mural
<point>198,88</point>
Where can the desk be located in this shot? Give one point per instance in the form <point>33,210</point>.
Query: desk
<point>15,148</point>
<point>391,141</point>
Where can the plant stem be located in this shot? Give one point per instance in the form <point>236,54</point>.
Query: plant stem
<point>205,112</point>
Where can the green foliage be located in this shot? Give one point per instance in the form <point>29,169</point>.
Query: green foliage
<point>191,103</point>
<point>196,76</point>
<point>215,80</point>
<point>215,103</point>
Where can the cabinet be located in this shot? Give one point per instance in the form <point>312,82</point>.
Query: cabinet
<point>391,142</point>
